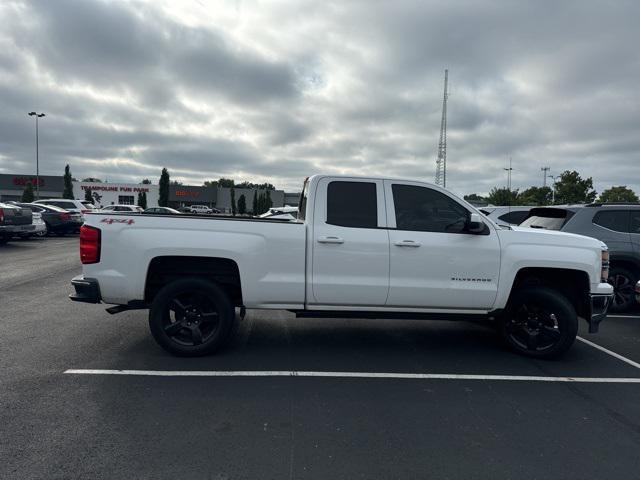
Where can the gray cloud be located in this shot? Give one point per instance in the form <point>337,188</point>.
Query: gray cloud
<point>276,92</point>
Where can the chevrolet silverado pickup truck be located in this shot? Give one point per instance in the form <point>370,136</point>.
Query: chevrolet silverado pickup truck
<point>360,248</point>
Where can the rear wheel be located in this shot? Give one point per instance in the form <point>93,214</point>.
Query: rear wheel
<point>539,322</point>
<point>191,317</point>
<point>623,282</point>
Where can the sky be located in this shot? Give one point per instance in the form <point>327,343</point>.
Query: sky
<point>277,91</point>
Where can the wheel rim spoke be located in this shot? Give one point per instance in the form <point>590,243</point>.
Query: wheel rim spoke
<point>532,341</point>
<point>179,307</point>
<point>173,328</point>
<point>196,335</point>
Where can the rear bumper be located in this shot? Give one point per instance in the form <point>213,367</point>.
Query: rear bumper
<point>87,290</point>
<point>14,229</point>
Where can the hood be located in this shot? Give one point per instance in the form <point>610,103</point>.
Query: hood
<point>552,237</point>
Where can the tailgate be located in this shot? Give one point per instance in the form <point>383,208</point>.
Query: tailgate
<point>16,216</point>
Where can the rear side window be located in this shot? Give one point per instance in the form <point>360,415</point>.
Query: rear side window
<point>616,220</point>
<point>547,218</point>
<point>635,221</point>
<point>425,210</point>
<point>514,217</point>
<point>352,204</point>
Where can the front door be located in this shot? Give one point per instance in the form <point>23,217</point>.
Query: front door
<point>434,261</point>
<point>350,264</point>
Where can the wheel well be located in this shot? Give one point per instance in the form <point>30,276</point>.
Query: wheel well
<point>573,284</point>
<point>630,265</point>
<point>223,271</point>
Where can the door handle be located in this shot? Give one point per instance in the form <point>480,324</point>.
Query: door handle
<point>327,239</point>
<point>407,243</point>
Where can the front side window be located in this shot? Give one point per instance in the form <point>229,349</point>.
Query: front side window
<point>616,220</point>
<point>352,204</point>
<point>426,210</point>
<point>635,221</point>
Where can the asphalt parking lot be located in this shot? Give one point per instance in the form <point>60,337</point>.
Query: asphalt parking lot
<point>491,414</point>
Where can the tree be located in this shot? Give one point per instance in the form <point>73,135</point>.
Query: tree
<point>68,185</point>
<point>142,199</point>
<point>175,182</point>
<point>474,198</point>
<point>242,205</point>
<point>146,181</point>
<point>535,196</point>
<point>502,196</point>
<point>27,194</point>
<point>254,206</point>
<point>163,187</point>
<point>233,201</point>
<point>618,194</point>
<point>226,182</point>
<point>268,203</point>
<point>87,195</point>
<point>210,183</point>
<point>573,189</point>
<point>92,180</point>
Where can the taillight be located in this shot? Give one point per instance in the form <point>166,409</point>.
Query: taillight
<point>85,211</point>
<point>65,216</point>
<point>1,215</point>
<point>89,244</point>
<point>604,272</point>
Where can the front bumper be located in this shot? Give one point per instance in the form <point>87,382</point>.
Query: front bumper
<point>599,306</point>
<point>87,290</point>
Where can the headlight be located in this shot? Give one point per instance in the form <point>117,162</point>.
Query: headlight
<point>604,272</point>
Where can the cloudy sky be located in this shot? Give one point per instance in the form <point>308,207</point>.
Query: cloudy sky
<point>276,91</point>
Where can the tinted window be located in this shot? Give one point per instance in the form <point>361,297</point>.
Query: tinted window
<point>352,204</point>
<point>547,218</point>
<point>426,210</point>
<point>514,218</point>
<point>617,220</point>
<point>635,221</point>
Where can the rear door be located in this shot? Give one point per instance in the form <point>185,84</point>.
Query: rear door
<point>350,259</point>
<point>634,229</point>
<point>612,227</point>
<point>434,261</point>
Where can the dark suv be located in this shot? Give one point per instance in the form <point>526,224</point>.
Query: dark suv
<point>616,224</point>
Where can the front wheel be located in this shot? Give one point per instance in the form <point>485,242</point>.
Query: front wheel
<point>191,317</point>
<point>624,283</point>
<point>539,322</point>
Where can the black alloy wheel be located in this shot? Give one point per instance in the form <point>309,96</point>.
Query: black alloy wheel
<point>191,317</point>
<point>623,282</point>
<point>539,322</point>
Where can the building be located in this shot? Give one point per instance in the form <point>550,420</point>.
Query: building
<point>223,200</point>
<point>187,195</point>
<point>12,186</point>
<point>104,194</point>
<point>292,199</point>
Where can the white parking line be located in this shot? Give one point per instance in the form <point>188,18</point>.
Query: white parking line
<point>613,354</point>
<point>292,373</point>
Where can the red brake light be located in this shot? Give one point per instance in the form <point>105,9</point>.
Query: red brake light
<point>85,211</point>
<point>1,215</point>
<point>89,244</point>
<point>65,216</point>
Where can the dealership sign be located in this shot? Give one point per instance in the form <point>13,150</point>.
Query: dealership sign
<point>22,181</point>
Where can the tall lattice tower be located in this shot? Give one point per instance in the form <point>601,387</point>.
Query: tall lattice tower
<point>441,162</point>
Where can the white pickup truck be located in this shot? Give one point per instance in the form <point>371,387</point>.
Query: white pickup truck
<point>361,247</point>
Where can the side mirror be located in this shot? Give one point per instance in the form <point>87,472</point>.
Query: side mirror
<point>475,224</point>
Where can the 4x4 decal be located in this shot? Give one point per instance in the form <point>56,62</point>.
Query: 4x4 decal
<point>110,221</point>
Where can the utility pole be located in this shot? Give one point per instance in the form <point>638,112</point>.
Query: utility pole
<point>441,162</point>
<point>37,115</point>
<point>544,171</point>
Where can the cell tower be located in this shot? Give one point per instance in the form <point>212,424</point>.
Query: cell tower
<point>441,162</point>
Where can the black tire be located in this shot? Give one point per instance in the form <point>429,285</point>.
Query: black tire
<point>539,322</point>
<point>191,317</point>
<point>3,240</point>
<point>624,282</point>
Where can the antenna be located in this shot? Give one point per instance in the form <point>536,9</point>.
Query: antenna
<point>544,171</point>
<point>441,162</point>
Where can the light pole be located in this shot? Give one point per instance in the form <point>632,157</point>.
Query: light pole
<point>509,170</point>
<point>553,189</point>
<point>37,115</point>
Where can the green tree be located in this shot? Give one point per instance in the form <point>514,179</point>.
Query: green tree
<point>142,200</point>
<point>268,203</point>
<point>87,195</point>
<point>242,205</point>
<point>68,185</point>
<point>474,198</point>
<point>254,209</point>
<point>146,181</point>
<point>618,194</point>
<point>163,187</point>
<point>226,182</point>
<point>535,196</point>
<point>233,201</point>
<point>27,194</point>
<point>210,183</point>
<point>571,188</point>
<point>502,196</point>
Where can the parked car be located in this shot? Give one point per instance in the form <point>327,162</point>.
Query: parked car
<point>617,225</point>
<point>163,211</point>
<point>404,249</point>
<point>14,220</point>
<point>75,206</point>
<point>39,227</point>
<point>122,208</point>
<point>281,213</point>
<point>506,215</point>
<point>57,220</point>
<point>202,209</point>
